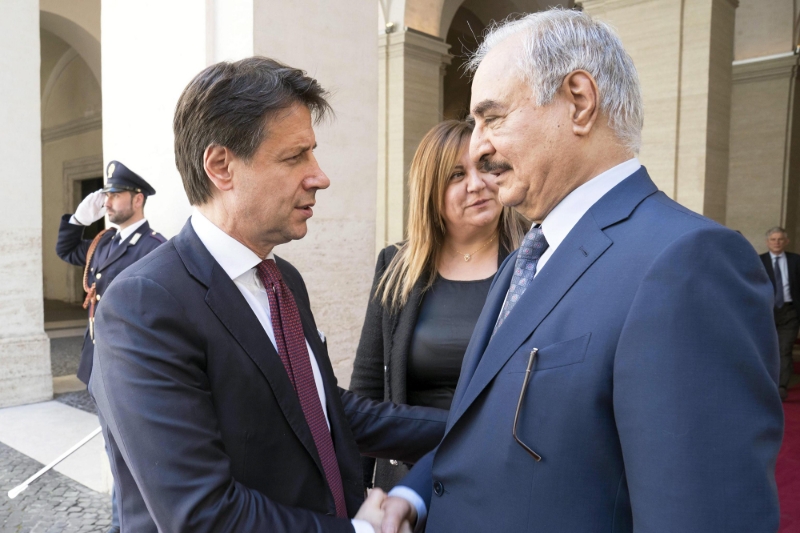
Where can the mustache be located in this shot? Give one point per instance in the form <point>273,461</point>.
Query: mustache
<point>488,166</point>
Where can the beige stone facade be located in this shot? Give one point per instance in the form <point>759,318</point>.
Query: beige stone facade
<point>95,80</point>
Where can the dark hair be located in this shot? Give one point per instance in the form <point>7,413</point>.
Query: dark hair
<point>230,105</point>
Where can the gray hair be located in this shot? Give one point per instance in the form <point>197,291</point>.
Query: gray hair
<point>558,42</point>
<point>776,229</point>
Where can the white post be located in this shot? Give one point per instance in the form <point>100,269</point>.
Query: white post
<point>24,348</point>
<point>151,50</point>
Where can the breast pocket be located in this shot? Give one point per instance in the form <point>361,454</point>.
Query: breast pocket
<point>557,355</point>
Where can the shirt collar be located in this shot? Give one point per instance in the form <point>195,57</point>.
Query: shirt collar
<point>128,231</point>
<point>557,225</point>
<point>773,256</point>
<point>234,257</point>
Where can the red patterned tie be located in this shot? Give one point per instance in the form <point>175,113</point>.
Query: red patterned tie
<point>294,354</point>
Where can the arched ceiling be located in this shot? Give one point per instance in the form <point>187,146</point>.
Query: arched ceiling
<point>80,28</point>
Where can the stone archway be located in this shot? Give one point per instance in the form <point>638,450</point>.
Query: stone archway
<point>86,45</point>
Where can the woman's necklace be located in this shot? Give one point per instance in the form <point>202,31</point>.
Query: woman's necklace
<point>470,255</point>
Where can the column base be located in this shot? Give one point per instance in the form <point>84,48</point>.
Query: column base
<point>25,375</point>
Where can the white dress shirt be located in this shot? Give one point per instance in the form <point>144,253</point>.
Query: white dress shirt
<point>784,266</point>
<point>128,231</point>
<point>239,263</point>
<point>556,226</point>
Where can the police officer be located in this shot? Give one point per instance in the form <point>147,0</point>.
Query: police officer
<point>123,199</point>
<point>111,252</point>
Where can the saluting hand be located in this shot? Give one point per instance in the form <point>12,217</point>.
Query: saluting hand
<point>91,209</point>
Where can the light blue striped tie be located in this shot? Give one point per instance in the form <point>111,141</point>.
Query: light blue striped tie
<point>532,248</point>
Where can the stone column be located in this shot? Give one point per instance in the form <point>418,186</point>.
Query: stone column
<point>683,51</point>
<point>337,256</point>
<point>764,173</point>
<point>411,73</point>
<point>24,348</point>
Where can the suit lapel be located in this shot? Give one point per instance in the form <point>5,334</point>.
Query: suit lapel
<point>486,354</point>
<point>101,252</point>
<point>791,275</point>
<point>576,253</point>
<point>120,250</point>
<point>227,303</point>
<point>402,324</point>
<point>320,354</point>
<point>770,272</point>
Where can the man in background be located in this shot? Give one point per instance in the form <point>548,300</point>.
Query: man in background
<point>784,271</point>
<point>110,252</point>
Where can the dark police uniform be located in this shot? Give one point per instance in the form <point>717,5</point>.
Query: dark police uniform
<point>109,259</point>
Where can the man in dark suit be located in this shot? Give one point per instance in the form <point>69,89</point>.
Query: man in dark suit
<point>219,399</point>
<point>123,198</point>
<point>622,375</point>
<point>783,269</point>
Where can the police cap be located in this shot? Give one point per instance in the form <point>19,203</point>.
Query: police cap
<point>121,178</point>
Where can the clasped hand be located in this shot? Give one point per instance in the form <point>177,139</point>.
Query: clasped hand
<point>387,514</point>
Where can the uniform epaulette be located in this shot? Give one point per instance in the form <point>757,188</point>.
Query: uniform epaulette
<point>157,236</point>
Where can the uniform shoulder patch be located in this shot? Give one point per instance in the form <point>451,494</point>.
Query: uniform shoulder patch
<point>157,236</point>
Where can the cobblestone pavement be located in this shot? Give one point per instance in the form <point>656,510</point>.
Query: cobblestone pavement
<point>79,400</point>
<point>52,504</point>
<point>65,355</point>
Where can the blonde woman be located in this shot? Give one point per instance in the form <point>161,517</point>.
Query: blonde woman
<point>429,290</point>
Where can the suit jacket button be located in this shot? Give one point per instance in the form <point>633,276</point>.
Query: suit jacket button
<point>99,275</point>
<point>438,488</point>
<point>98,297</point>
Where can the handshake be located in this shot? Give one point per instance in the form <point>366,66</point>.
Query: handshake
<point>387,514</point>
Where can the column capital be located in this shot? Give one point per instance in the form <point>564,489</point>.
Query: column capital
<point>764,68</point>
<point>599,6</point>
<point>414,43</point>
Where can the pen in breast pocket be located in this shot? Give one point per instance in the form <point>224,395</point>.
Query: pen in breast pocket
<point>532,357</point>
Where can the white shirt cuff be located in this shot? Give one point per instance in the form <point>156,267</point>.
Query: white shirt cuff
<point>74,221</point>
<point>362,526</point>
<point>411,496</point>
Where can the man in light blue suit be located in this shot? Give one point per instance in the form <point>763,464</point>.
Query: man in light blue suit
<point>622,376</point>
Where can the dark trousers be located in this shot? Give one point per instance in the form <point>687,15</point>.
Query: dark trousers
<point>787,322</point>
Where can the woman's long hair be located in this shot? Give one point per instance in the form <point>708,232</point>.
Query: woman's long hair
<point>417,257</point>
